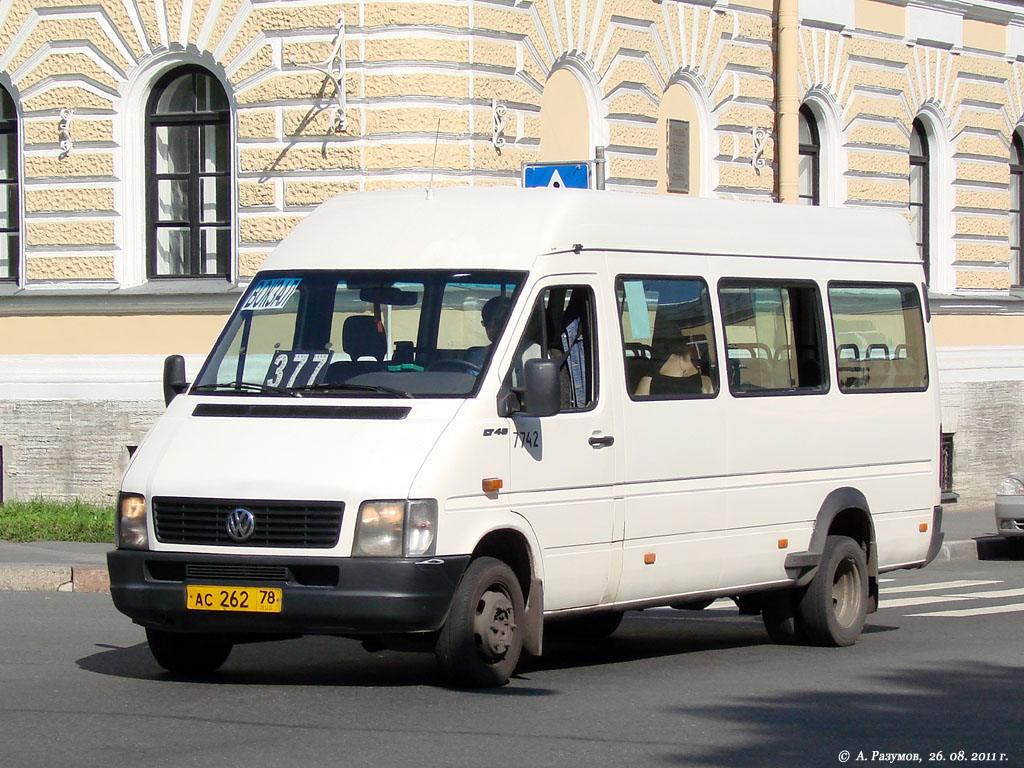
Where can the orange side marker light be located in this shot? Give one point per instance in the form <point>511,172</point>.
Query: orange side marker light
<point>649,558</point>
<point>491,485</point>
<point>923,527</point>
<point>783,543</point>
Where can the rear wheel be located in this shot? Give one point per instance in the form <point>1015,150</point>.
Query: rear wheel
<point>186,653</point>
<point>480,643</point>
<point>779,614</point>
<point>833,608</point>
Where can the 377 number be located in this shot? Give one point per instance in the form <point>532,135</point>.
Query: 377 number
<point>287,368</point>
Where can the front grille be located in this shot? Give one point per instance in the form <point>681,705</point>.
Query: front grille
<point>236,572</point>
<point>278,524</point>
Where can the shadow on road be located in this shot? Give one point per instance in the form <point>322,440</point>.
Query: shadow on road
<point>329,661</point>
<point>944,708</point>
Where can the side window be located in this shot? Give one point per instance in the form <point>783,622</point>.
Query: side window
<point>879,333</point>
<point>8,187</point>
<point>775,337</point>
<point>561,327</point>
<point>668,341</point>
<point>189,156</point>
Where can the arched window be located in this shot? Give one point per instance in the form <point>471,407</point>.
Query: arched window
<point>809,176</point>
<point>1016,210</point>
<point>920,203</point>
<point>188,211</point>
<point>8,187</point>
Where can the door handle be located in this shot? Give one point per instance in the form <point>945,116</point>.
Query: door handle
<point>601,442</point>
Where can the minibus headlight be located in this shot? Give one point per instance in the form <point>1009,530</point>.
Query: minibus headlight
<point>131,522</point>
<point>1011,486</point>
<point>395,528</point>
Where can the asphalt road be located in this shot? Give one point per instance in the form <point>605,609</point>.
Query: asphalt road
<point>79,688</point>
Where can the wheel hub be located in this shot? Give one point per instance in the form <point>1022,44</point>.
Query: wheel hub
<point>494,625</point>
<point>845,592</point>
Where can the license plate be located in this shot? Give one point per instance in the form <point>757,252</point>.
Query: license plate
<point>245,599</point>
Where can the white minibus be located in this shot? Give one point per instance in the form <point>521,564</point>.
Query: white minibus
<point>441,420</point>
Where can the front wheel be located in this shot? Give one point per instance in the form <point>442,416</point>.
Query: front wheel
<point>480,643</point>
<point>188,654</point>
<point>833,608</point>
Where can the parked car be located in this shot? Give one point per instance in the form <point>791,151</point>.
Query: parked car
<point>1010,505</point>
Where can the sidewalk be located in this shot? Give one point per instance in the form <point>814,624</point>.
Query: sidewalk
<point>63,566</point>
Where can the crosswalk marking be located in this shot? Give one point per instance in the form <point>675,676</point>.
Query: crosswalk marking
<point>943,592</point>
<point>940,585</point>
<point>912,601</point>
<point>964,612</point>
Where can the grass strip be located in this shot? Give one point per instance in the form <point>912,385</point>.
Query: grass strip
<point>46,520</point>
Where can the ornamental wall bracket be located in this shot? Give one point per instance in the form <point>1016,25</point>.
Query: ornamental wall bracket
<point>499,117</point>
<point>64,132</point>
<point>761,136</point>
<point>334,68</point>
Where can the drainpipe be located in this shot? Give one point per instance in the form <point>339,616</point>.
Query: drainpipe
<point>787,99</point>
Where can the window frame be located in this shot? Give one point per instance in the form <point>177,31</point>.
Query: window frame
<point>823,351</point>
<point>193,177</point>
<point>924,162</point>
<point>9,127</point>
<point>922,302</point>
<point>593,342</point>
<point>715,369</point>
<point>1017,206</point>
<point>813,151</point>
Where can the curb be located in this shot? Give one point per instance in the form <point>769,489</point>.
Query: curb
<point>94,578</point>
<point>981,548</point>
<point>54,578</point>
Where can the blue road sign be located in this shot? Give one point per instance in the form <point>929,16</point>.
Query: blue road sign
<point>557,175</point>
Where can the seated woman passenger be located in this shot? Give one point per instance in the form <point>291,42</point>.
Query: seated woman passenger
<point>678,375</point>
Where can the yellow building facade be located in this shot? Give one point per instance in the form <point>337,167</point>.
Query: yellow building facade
<point>152,152</point>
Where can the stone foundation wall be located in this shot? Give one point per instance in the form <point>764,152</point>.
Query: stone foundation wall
<point>67,449</point>
<point>78,448</point>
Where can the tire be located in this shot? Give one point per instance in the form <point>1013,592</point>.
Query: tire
<point>480,643</point>
<point>188,654</point>
<point>833,608</point>
<point>593,626</point>
<point>779,614</point>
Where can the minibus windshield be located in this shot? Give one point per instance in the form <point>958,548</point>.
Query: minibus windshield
<point>394,333</point>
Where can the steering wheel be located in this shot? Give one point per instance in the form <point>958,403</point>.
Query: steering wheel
<point>454,362</point>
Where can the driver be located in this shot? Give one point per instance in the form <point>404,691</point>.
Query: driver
<point>492,318</point>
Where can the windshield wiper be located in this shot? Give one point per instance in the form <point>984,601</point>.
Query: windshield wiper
<point>343,386</point>
<point>245,386</point>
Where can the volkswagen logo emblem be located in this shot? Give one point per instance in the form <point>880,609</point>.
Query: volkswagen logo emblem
<point>241,523</point>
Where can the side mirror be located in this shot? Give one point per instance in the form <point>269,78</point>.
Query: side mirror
<point>174,377</point>
<point>542,390</point>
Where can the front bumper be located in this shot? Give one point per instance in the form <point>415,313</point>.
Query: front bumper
<point>1010,512</point>
<point>336,596</point>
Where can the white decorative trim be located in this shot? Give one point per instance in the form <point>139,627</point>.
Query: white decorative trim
<point>980,364</point>
<point>941,222</point>
<point>760,136</point>
<point>64,132</point>
<point>597,108</point>
<point>334,68</point>
<point>139,377</point>
<point>499,119</point>
<point>701,96</point>
<point>130,162</point>
<point>832,13</point>
<point>832,157</point>
<point>86,377</point>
